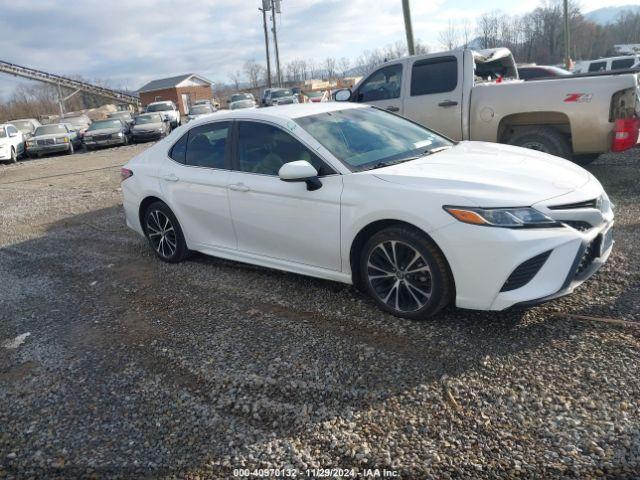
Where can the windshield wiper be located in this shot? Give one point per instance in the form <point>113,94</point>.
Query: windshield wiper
<point>408,159</point>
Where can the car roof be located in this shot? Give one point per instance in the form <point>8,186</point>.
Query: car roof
<point>282,112</point>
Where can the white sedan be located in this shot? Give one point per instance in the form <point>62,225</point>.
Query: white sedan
<point>11,143</point>
<point>358,195</point>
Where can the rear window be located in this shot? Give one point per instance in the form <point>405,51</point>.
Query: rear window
<point>598,66</point>
<point>438,75</point>
<point>622,64</point>
<point>179,150</point>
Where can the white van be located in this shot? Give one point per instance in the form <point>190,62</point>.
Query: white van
<point>606,64</point>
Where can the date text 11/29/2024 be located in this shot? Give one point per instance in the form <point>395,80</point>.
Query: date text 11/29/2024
<point>315,473</point>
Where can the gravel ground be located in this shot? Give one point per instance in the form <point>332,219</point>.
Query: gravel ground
<point>134,368</point>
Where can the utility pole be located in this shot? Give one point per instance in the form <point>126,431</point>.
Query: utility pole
<point>60,101</point>
<point>266,5</point>
<point>567,37</point>
<point>275,8</point>
<point>406,10</point>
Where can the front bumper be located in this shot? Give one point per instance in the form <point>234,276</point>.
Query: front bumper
<point>483,258</point>
<point>104,143</point>
<point>146,136</point>
<point>44,149</point>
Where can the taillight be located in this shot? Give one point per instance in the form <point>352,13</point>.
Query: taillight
<point>125,173</point>
<point>625,134</point>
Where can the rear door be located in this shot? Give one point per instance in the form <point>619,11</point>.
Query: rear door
<point>433,96</point>
<point>194,180</point>
<point>383,88</point>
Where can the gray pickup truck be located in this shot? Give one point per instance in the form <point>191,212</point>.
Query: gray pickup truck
<point>476,95</point>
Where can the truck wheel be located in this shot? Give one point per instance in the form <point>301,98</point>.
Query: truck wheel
<point>585,159</point>
<point>542,139</point>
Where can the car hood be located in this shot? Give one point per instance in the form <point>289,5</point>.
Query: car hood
<point>143,127</point>
<point>102,131</point>
<point>490,175</point>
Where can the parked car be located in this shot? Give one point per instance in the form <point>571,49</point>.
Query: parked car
<point>26,126</point>
<point>280,96</point>
<point>203,102</point>
<point>106,133</point>
<point>201,110</point>
<point>149,126</point>
<point>53,138</point>
<point>317,96</point>
<point>606,64</point>
<point>535,72</point>
<point>475,95</point>
<point>80,123</point>
<point>265,94</point>
<point>242,100</point>
<point>12,144</point>
<point>358,195</point>
<point>168,109</point>
<point>123,115</point>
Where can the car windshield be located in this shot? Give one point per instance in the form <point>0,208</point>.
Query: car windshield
<point>100,124</point>
<point>314,94</point>
<point>125,115</point>
<point>159,107</point>
<point>365,138</point>
<point>281,93</point>
<point>74,121</point>
<point>142,119</point>
<point>51,129</point>
<point>240,96</point>
<point>23,125</point>
<point>241,104</point>
<point>200,110</point>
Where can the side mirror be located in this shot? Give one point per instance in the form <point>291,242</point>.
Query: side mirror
<point>300,171</point>
<point>343,95</point>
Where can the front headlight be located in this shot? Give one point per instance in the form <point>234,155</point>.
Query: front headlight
<point>31,143</point>
<point>87,138</point>
<point>119,134</point>
<point>520,217</point>
<point>62,140</point>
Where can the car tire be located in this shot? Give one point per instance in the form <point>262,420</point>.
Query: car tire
<point>405,273</point>
<point>543,139</point>
<point>163,231</point>
<point>585,159</point>
<point>14,156</point>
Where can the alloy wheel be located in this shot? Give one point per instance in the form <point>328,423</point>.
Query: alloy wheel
<point>400,276</point>
<point>161,233</point>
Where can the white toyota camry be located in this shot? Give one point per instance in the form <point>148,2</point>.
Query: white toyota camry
<point>358,195</point>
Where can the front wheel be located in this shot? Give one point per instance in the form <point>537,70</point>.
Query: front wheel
<point>14,156</point>
<point>71,150</point>
<point>405,273</point>
<point>164,233</point>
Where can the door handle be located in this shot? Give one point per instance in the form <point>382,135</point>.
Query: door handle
<point>448,103</point>
<point>238,187</point>
<point>171,177</point>
<point>393,109</point>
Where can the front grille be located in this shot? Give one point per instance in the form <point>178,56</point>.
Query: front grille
<point>578,225</point>
<point>590,254</point>
<point>47,141</point>
<point>100,138</point>
<point>573,206</point>
<point>525,272</point>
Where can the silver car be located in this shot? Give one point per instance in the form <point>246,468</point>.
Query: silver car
<point>54,138</point>
<point>198,111</point>
<point>149,126</point>
<point>280,96</point>
<point>241,100</point>
<point>106,133</point>
<point>26,126</point>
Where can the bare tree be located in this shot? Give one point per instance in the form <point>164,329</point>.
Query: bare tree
<point>345,65</point>
<point>330,66</point>
<point>235,79</point>
<point>253,72</point>
<point>449,39</point>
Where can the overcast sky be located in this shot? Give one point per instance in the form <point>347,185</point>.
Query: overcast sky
<point>128,42</point>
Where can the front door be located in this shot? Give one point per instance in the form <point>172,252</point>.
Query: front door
<point>194,180</point>
<point>283,220</point>
<point>383,89</point>
<point>433,96</point>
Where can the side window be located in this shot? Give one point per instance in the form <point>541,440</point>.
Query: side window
<point>437,75</point>
<point>11,129</point>
<point>384,84</point>
<point>264,149</point>
<point>597,66</point>
<point>2,133</point>
<point>179,150</point>
<point>207,145</point>
<point>622,63</point>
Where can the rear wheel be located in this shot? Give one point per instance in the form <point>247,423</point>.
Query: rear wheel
<point>543,139</point>
<point>164,234</point>
<point>405,273</point>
